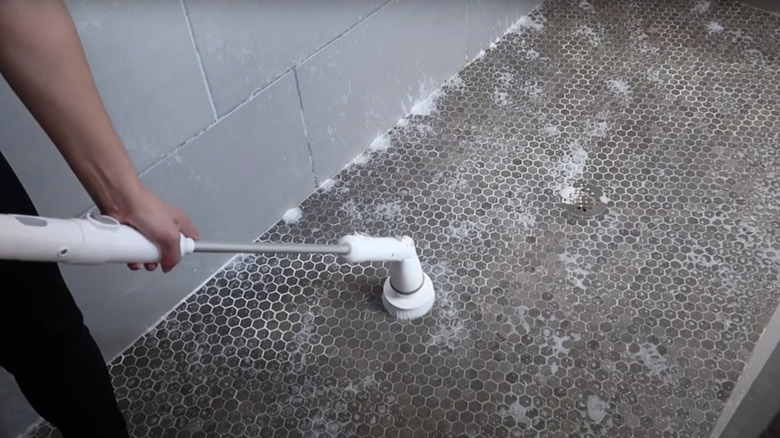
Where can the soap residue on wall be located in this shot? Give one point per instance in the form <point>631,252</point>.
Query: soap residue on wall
<point>428,105</point>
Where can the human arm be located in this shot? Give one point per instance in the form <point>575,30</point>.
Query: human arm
<point>42,59</point>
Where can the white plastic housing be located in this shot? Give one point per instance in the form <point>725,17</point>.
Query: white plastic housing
<point>92,240</point>
<point>406,273</point>
<point>377,249</point>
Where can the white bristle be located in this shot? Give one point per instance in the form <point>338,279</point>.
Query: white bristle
<point>407,307</point>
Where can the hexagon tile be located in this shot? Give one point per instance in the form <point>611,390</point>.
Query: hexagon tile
<point>634,322</point>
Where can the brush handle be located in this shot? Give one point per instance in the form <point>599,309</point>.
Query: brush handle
<point>97,239</point>
<point>92,240</point>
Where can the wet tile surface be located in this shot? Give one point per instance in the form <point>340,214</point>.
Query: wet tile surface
<point>636,321</point>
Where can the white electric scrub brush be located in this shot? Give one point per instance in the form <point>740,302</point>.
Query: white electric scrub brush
<point>408,292</point>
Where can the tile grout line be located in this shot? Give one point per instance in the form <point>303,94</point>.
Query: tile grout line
<point>200,61</point>
<point>167,314</point>
<point>334,39</point>
<point>305,131</point>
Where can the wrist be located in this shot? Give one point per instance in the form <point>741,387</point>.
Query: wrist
<point>119,195</point>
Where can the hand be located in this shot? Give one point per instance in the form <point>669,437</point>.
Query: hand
<point>160,223</point>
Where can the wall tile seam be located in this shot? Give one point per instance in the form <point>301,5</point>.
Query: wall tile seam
<point>199,60</point>
<point>305,129</point>
<point>466,33</point>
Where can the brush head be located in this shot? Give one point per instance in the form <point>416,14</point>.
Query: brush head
<point>409,306</point>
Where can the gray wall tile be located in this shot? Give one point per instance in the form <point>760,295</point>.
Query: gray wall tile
<point>489,19</point>
<point>360,85</point>
<point>247,44</point>
<point>143,60</point>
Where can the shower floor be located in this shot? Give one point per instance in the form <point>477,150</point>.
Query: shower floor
<point>635,322</point>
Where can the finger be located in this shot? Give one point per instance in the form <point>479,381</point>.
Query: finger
<point>134,266</point>
<point>171,252</point>
<point>150,266</point>
<point>186,226</point>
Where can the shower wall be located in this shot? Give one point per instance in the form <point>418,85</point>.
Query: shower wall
<point>235,111</point>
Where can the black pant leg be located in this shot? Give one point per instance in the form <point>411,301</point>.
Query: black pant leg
<point>44,343</point>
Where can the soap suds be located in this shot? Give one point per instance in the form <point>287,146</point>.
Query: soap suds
<point>586,5</point>
<point>501,98</point>
<point>352,210</point>
<point>381,143</point>
<point>427,106</point>
<point>551,131</point>
<point>702,6</point>
<point>292,216</point>
<point>387,210</point>
<point>714,27</point>
<point>597,408</point>
<point>527,22</point>
<point>599,126</point>
<point>500,94</point>
<point>462,230</point>
<point>619,86</point>
<point>577,268</point>
<point>652,360</point>
<point>653,75</point>
<point>566,193</point>
<point>593,36</point>
<point>327,185</point>
<point>359,160</point>
<point>533,90</point>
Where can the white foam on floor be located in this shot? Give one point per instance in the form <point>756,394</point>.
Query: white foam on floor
<point>592,35</point>
<point>387,210</point>
<point>619,86</point>
<point>584,4</point>
<point>360,160</point>
<point>527,22</point>
<point>292,216</point>
<point>327,185</point>
<point>381,143</point>
<point>597,408</point>
<point>714,27</point>
<point>702,6</point>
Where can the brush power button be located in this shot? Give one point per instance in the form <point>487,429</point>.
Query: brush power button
<point>104,222</point>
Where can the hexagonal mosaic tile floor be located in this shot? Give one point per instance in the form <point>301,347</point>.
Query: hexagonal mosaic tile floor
<point>635,321</point>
